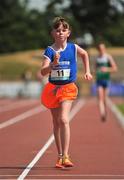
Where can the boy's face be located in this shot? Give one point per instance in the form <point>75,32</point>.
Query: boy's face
<point>61,33</point>
<point>101,48</point>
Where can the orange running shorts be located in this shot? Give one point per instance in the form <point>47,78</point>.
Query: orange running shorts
<point>52,95</point>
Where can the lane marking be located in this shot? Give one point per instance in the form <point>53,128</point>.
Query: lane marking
<point>76,179</point>
<point>16,105</point>
<point>117,113</point>
<point>93,176</point>
<point>75,109</point>
<point>64,175</point>
<point>22,116</point>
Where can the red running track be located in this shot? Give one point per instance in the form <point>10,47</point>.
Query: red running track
<point>97,148</point>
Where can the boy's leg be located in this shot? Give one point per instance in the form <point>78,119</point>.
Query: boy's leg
<point>56,128</point>
<point>101,101</point>
<point>65,108</point>
<point>65,131</point>
<point>105,99</point>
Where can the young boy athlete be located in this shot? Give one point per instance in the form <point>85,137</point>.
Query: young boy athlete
<point>60,62</point>
<point>105,64</point>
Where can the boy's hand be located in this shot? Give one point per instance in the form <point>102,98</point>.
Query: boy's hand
<point>104,69</point>
<point>88,76</point>
<point>56,59</point>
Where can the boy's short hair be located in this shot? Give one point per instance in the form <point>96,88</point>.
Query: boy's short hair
<point>58,21</point>
<point>98,45</point>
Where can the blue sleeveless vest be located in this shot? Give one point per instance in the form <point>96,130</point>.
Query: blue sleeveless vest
<point>65,72</point>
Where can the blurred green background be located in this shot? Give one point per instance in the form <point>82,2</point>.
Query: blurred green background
<point>25,32</point>
<point>25,27</point>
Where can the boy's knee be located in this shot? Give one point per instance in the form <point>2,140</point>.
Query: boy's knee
<point>64,121</point>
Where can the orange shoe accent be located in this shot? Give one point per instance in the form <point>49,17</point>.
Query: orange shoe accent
<point>59,163</point>
<point>66,161</point>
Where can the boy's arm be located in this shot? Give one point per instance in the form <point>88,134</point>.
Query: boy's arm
<point>84,56</point>
<point>46,67</point>
<point>113,66</point>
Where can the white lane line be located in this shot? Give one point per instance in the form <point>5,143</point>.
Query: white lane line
<point>86,178</point>
<point>16,105</point>
<point>75,109</point>
<point>79,179</point>
<point>70,175</point>
<point>78,175</point>
<point>117,113</point>
<point>22,116</point>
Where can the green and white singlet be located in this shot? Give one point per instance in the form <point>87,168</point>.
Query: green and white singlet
<point>102,61</point>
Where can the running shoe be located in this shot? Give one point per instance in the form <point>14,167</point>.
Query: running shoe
<point>59,163</point>
<point>66,161</point>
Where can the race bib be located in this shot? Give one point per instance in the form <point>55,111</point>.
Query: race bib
<point>60,74</point>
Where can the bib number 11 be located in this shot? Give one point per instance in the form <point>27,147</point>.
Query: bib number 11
<point>60,73</point>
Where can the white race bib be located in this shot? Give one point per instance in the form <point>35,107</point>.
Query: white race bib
<point>60,74</point>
